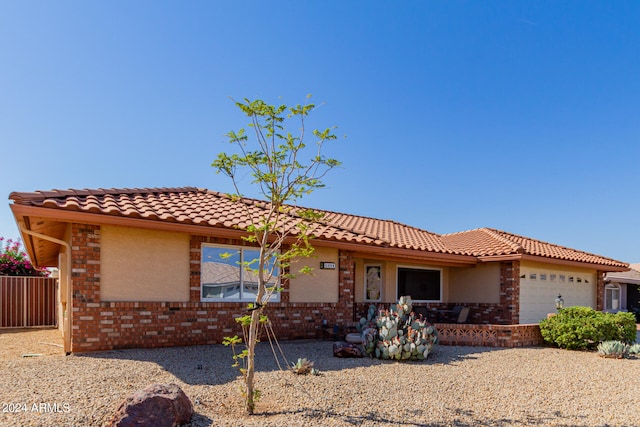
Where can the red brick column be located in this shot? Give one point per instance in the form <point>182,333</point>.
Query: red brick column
<point>509,294</point>
<point>346,315</point>
<point>599,290</point>
<point>85,272</point>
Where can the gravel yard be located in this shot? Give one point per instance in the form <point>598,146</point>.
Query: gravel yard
<point>456,386</point>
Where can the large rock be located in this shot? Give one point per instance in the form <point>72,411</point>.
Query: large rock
<point>346,349</point>
<point>157,405</point>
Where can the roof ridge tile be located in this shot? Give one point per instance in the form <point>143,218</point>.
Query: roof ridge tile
<point>497,234</point>
<point>556,246</point>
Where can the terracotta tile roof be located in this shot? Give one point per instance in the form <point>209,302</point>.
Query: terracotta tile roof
<point>486,242</point>
<point>386,232</point>
<point>194,206</point>
<point>201,207</point>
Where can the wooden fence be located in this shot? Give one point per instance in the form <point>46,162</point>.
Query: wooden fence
<point>27,302</point>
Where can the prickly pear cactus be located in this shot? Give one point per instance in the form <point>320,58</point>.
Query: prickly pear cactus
<point>400,334</point>
<point>369,321</point>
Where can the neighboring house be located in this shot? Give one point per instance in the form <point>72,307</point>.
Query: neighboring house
<point>622,290</point>
<point>141,268</point>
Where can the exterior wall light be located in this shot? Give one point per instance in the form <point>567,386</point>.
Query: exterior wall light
<point>559,302</point>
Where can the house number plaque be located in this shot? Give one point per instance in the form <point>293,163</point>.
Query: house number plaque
<point>327,266</point>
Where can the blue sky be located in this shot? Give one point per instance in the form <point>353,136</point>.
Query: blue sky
<point>452,115</point>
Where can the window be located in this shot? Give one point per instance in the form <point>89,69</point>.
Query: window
<point>611,297</point>
<point>225,276</point>
<point>373,282</point>
<point>420,284</point>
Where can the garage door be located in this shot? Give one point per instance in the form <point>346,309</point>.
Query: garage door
<point>539,288</point>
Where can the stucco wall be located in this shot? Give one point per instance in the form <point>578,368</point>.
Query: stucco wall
<point>143,265</point>
<point>320,285</point>
<point>480,284</point>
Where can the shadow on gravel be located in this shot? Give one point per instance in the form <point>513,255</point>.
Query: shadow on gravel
<point>212,364</point>
<point>461,419</point>
<point>199,420</point>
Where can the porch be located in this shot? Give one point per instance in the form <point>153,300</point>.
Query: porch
<point>486,326</point>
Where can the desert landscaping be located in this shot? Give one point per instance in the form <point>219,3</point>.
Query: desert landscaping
<point>455,386</point>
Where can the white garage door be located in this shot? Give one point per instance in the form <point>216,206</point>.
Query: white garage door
<point>539,288</point>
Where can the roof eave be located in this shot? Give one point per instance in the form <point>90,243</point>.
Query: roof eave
<point>27,241</point>
<point>24,212</point>
<point>416,255</point>
<point>548,260</point>
<point>622,280</point>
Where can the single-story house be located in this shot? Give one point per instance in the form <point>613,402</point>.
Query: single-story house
<point>622,290</point>
<point>141,268</point>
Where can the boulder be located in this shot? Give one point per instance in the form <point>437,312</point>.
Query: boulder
<point>354,338</point>
<point>158,405</point>
<point>345,349</point>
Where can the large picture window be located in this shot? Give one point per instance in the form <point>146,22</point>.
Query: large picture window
<point>225,276</point>
<point>420,284</point>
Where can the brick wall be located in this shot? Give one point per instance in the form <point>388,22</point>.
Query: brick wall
<point>506,336</point>
<point>104,325</point>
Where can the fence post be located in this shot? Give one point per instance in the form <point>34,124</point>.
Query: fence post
<point>25,314</point>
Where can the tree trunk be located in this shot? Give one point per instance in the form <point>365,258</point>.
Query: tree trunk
<point>251,347</point>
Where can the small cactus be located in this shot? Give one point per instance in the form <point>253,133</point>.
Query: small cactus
<point>634,349</point>
<point>613,349</point>
<point>303,367</point>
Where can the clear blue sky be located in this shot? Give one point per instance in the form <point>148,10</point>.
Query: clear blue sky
<point>521,116</point>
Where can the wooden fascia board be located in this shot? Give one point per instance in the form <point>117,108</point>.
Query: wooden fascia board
<point>397,254</point>
<point>423,260</point>
<point>546,260</point>
<point>27,240</point>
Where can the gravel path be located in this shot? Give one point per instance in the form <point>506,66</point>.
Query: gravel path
<point>456,386</point>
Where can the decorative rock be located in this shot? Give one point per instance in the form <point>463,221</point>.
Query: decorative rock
<point>354,338</point>
<point>344,349</point>
<point>157,405</point>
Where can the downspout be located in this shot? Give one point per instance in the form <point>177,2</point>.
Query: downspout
<point>66,323</point>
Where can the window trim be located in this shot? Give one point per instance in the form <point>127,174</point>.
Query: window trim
<point>275,297</point>
<point>413,267</point>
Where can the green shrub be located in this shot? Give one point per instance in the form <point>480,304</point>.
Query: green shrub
<point>583,328</point>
